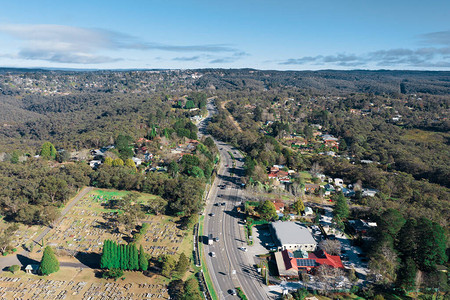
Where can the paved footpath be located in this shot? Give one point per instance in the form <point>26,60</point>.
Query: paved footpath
<point>10,260</point>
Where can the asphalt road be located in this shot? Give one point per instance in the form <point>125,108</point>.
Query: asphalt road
<point>231,267</point>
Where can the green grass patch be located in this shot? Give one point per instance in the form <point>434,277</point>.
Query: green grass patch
<point>240,294</point>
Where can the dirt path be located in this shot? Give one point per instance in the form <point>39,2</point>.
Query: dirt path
<point>230,116</point>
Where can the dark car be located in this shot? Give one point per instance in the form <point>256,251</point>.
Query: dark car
<point>223,203</point>
<point>232,292</point>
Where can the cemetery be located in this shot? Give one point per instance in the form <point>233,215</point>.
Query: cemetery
<point>75,284</point>
<point>83,229</point>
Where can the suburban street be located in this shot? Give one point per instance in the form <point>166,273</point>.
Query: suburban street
<point>231,267</point>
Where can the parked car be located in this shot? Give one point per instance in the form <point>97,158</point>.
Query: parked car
<point>223,203</point>
<point>212,254</point>
<point>212,214</point>
<point>217,239</point>
<point>243,249</point>
<point>232,292</point>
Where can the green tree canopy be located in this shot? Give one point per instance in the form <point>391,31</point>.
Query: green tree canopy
<point>299,207</point>
<point>267,210</point>
<point>49,262</point>
<point>182,265</point>
<point>143,261</point>
<point>48,151</point>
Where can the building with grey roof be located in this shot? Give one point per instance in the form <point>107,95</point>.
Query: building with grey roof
<point>293,236</point>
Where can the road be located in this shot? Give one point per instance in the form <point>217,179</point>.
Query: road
<point>230,267</point>
<point>21,258</point>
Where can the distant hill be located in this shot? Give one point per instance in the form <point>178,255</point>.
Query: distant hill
<point>331,81</point>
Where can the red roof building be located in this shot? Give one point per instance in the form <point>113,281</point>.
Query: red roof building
<point>290,263</point>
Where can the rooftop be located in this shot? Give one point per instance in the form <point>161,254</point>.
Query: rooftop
<point>289,233</point>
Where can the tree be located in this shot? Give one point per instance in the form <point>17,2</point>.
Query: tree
<point>143,261</point>
<point>432,246</point>
<point>192,290</point>
<point>341,209</point>
<point>134,257</point>
<point>332,247</point>
<point>391,221</point>
<point>130,163</point>
<point>117,162</point>
<point>113,274</point>
<point>108,161</point>
<point>49,262</point>
<point>173,168</point>
<point>6,236</point>
<point>168,265</point>
<point>176,289</point>
<point>123,146</point>
<point>407,275</point>
<point>267,210</point>
<point>182,265</point>
<point>300,294</point>
<point>299,207</point>
<point>48,151</point>
<point>14,268</point>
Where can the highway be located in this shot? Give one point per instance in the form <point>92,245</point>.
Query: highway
<point>231,267</point>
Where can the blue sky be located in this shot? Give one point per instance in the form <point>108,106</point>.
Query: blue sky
<point>283,35</point>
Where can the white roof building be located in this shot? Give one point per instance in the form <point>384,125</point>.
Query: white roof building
<point>293,236</point>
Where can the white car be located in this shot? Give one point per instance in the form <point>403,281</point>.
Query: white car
<point>212,254</point>
<point>243,249</point>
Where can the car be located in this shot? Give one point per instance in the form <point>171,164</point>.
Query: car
<point>217,239</point>
<point>212,254</point>
<point>232,292</point>
<point>243,249</point>
<point>226,165</point>
<point>223,203</point>
<point>216,204</point>
<point>270,244</point>
<point>273,249</point>
<point>212,214</point>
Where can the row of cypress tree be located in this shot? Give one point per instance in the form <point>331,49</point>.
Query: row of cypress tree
<point>123,257</point>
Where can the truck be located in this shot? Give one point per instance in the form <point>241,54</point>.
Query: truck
<point>210,239</point>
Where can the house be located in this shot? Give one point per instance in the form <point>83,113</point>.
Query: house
<point>329,188</point>
<point>308,211</point>
<point>338,182</point>
<point>279,206</point>
<point>31,269</point>
<point>291,263</point>
<point>311,188</point>
<point>348,192</point>
<point>330,141</point>
<point>366,192</point>
<point>361,226</point>
<point>321,177</point>
<point>293,236</point>
<point>95,163</point>
<point>137,161</point>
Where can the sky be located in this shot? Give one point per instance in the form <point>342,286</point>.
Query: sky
<point>260,34</point>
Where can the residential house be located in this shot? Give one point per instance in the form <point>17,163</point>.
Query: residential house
<point>361,226</point>
<point>311,188</point>
<point>329,188</point>
<point>279,206</point>
<point>330,141</point>
<point>366,192</point>
<point>308,211</point>
<point>338,182</point>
